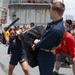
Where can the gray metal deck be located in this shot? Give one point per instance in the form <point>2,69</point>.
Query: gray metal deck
<point>4,61</point>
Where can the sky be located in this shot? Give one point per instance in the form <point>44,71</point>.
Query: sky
<point>70,9</point>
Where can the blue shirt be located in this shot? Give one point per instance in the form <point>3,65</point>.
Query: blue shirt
<point>53,36</point>
<point>15,46</point>
<point>69,29</point>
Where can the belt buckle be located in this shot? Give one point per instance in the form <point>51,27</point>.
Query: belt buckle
<point>45,50</point>
<point>53,51</point>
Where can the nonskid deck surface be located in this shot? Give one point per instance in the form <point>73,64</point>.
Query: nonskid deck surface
<point>4,62</point>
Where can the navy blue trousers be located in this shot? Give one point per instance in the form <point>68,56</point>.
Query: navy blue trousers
<point>46,62</point>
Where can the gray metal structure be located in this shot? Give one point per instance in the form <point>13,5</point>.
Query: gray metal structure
<point>30,12</point>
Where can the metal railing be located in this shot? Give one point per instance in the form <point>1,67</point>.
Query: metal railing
<point>31,1</point>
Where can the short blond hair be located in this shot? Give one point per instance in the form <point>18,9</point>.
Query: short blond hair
<point>58,6</point>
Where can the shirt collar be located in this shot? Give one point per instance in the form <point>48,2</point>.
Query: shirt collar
<point>57,21</point>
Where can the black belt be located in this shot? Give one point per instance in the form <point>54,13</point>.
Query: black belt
<point>46,50</point>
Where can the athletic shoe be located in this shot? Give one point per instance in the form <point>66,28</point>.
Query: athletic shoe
<point>55,73</point>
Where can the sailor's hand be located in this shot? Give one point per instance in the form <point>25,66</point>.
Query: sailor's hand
<point>18,32</point>
<point>33,46</point>
<point>36,41</point>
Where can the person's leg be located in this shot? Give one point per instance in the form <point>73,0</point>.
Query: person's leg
<point>73,68</point>
<point>57,67</point>
<point>12,64</point>
<point>67,63</point>
<point>11,68</point>
<point>59,58</point>
<point>46,62</point>
<point>24,66</point>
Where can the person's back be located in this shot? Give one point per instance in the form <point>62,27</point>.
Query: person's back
<point>59,28</point>
<point>68,39</point>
